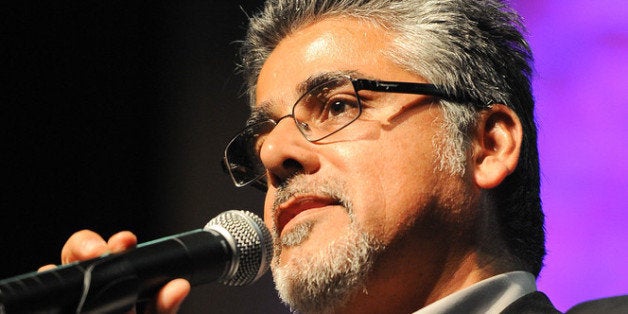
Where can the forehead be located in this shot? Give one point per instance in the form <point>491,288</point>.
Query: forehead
<point>328,46</point>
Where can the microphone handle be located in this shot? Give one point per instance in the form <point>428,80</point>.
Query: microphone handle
<point>115,282</point>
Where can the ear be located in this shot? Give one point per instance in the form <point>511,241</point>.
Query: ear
<point>496,146</point>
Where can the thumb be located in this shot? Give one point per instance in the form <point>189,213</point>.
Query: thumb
<point>171,296</point>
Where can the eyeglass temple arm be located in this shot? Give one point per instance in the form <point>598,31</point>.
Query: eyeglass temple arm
<point>406,88</point>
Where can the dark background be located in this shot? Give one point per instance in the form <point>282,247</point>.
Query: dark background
<point>115,115</point>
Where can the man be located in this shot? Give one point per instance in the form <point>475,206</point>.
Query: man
<point>397,143</point>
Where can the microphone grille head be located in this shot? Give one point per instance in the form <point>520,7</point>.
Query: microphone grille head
<point>251,243</point>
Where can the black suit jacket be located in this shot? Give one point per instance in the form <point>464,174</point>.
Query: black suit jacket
<point>612,305</point>
<point>538,302</point>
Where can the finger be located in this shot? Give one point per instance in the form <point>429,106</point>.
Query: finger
<point>83,245</point>
<point>121,241</point>
<point>47,267</point>
<point>171,296</point>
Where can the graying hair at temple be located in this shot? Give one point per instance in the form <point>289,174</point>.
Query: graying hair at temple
<point>476,50</point>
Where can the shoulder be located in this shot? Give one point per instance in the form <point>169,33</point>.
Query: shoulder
<point>611,305</point>
<point>538,302</point>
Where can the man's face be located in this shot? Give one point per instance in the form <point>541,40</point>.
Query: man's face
<point>373,180</point>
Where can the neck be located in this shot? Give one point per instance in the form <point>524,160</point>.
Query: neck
<point>404,281</point>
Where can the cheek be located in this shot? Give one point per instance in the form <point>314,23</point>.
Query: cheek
<point>392,181</point>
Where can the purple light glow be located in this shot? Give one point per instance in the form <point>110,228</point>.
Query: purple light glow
<point>581,90</point>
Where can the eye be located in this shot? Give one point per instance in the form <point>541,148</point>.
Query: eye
<point>327,107</point>
<point>339,107</point>
<point>338,110</point>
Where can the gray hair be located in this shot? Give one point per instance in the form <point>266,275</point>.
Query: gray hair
<point>474,49</point>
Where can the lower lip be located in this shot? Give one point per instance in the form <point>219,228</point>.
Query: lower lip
<point>304,215</point>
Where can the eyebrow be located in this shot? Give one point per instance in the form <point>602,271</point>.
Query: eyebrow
<point>263,111</point>
<point>320,78</point>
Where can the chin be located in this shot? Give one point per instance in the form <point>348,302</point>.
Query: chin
<point>317,279</point>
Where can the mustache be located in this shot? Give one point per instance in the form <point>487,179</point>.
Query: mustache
<point>302,184</point>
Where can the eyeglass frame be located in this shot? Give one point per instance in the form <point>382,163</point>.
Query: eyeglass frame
<point>358,84</point>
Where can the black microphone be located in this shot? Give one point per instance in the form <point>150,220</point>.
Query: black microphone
<point>234,248</point>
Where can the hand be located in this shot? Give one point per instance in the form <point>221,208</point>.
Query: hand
<point>87,244</point>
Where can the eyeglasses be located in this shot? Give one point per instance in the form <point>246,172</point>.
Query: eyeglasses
<point>323,110</point>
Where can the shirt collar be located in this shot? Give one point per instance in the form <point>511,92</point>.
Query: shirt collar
<point>490,295</point>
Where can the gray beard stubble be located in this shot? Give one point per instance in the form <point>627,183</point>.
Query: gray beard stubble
<point>321,282</point>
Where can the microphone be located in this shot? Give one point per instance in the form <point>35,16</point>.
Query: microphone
<point>234,248</point>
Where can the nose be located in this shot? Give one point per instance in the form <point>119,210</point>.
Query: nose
<point>285,153</point>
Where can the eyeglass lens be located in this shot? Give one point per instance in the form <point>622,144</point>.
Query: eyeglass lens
<point>326,109</point>
<point>320,112</point>
<point>241,155</point>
